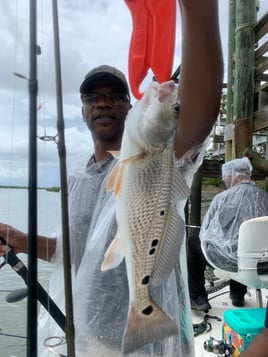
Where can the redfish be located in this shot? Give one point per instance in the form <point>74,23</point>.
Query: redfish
<point>150,231</point>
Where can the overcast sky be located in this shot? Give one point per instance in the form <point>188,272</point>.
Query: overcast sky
<point>92,32</point>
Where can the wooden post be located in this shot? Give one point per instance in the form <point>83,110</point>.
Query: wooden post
<point>230,81</point>
<point>244,74</point>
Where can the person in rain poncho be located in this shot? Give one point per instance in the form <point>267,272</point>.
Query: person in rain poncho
<point>219,231</point>
<point>101,298</point>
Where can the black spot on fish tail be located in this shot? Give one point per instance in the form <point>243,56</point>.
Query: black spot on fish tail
<point>145,327</point>
<point>145,280</point>
<point>155,242</point>
<point>152,251</point>
<point>148,310</point>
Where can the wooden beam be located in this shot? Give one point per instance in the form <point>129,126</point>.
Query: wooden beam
<point>261,27</point>
<point>260,120</point>
<point>218,139</point>
<point>258,162</point>
<point>261,68</point>
<point>263,77</point>
<point>261,51</point>
<point>211,168</point>
<point>242,136</point>
<point>228,130</point>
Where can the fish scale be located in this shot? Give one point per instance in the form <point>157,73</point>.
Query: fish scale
<point>147,187</point>
<point>145,218</point>
<point>146,222</point>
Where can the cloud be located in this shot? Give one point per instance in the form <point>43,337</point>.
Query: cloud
<point>92,32</point>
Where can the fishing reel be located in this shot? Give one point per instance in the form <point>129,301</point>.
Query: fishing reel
<point>218,347</point>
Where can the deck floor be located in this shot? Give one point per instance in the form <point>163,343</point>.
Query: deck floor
<point>220,302</point>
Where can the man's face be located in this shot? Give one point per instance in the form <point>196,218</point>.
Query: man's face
<point>104,118</point>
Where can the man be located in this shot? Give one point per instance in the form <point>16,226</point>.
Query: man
<point>219,230</point>
<point>101,298</point>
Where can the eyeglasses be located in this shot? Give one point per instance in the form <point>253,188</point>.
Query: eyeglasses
<point>111,98</point>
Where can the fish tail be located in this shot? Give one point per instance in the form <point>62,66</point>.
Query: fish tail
<point>146,326</point>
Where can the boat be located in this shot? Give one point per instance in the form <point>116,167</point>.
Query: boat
<point>210,324</point>
<point>209,327</point>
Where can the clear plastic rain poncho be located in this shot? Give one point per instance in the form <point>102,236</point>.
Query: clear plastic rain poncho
<point>241,201</point>
<point>101,298</point>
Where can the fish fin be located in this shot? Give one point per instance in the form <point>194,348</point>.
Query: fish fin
<point>133,158</point>
<point>113,256</point>
<point>116,175</point>
<point>170,249</point>
<point>174,233</point>
<point>143,328</point>
<point>114,153</point>
<point>115,178</point>
<point>110,184</point>
<point>119,178</point>
<point>180,189</point>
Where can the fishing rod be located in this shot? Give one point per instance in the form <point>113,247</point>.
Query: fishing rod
<point>17,265</point>
<point>31,276</point>
<point>64,190</point>
<point>35,290</point>
<point>11,335</point>
<point>17,295</point>
<point>14,295</point>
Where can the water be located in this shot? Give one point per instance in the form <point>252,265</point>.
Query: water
<point>13,316</point>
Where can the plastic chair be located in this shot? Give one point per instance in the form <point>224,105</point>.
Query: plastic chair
<point>252,256</point>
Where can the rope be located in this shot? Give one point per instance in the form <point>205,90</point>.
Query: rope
<point>242,26</point>
<point>204,326</point>
<point>53,342</point>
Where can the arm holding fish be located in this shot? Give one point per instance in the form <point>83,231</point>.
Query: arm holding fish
<point>201,73</point>
<point>18,242</point>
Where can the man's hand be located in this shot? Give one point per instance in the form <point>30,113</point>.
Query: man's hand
<point>16,239</point>
<point>18,242</point>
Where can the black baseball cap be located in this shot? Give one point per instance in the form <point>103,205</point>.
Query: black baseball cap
<point>104,71</point>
